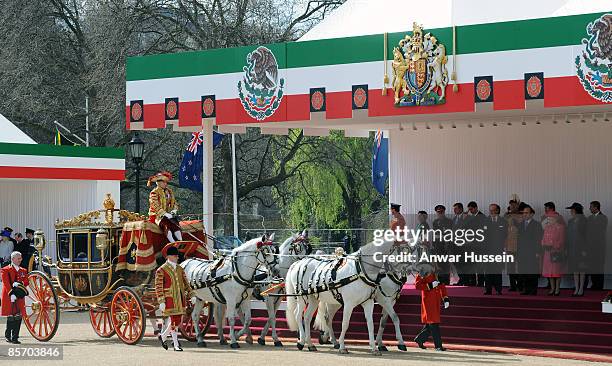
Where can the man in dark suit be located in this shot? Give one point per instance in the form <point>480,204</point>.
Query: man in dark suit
<point>24,246</point>
<point>596,227</point>
<point>495,238</point>
<point>528,252</point>
<point>475,221</point>
<point>440,247</point>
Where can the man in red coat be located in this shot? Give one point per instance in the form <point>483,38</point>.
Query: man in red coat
<point>12,307</point>
<point>433,295</point>
<point>173,291</point>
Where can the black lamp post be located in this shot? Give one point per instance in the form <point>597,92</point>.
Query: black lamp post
<point>137,150</point>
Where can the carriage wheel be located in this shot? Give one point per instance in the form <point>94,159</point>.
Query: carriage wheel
<point>127,315</point>
<point>100,319</point>
<point>188,330</point>
<point>42,307</point>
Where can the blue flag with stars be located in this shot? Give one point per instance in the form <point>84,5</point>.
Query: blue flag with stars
<point>190,171</point>
<point>380,162</point>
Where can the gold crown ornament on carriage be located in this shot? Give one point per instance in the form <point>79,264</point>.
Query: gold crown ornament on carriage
<point>419,70</point>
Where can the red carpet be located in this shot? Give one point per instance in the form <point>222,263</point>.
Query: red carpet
<point>559,323</point>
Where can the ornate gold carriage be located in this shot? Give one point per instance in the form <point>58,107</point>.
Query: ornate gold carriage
<point>106,263</point>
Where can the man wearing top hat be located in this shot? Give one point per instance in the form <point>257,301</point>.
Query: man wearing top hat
<point>163,206</point>
<point>398,220</point>
<point>14,284</point>
<point>172,291</point>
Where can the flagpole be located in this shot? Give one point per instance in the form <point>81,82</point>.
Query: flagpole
<point>235,185</point>
<point>207,180</point>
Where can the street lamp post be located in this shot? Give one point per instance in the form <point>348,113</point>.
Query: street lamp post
<point>137,150</point>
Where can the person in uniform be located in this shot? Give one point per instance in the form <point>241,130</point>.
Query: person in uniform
<point>13,304</point>
<point>172,289</point>
<point>163,206</point>
<point>433,296</point>
<point>398,220</point>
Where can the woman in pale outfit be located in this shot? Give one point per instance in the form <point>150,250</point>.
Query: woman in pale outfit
<point>553,242</point>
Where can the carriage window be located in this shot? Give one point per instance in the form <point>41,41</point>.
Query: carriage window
<point>95,252</point>
<point>79,247</point>
<point>63,245</point>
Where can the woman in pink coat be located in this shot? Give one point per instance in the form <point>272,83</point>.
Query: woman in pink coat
<point>553,246</point>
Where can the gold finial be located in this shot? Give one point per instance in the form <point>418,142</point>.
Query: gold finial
<point>108,203</point>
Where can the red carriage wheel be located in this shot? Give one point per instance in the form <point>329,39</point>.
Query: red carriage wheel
<point>100,319</point>
<point>187,329</point>
<point>41,307</point>
<point>127,315</point>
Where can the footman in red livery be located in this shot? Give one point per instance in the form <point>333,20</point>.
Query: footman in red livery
<point>433,295</point>
<point>15,282</point>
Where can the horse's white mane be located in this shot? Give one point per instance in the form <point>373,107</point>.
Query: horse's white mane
<point>371,248</point>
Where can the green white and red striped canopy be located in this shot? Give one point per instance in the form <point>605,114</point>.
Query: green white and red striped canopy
<point>506,51</point>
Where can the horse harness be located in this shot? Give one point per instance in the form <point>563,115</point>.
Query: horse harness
<point>317,284</point>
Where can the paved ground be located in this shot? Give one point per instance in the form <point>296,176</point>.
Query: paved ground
<point>83,348</point>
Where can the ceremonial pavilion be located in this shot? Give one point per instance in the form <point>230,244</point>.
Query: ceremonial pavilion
<point>41,183</point>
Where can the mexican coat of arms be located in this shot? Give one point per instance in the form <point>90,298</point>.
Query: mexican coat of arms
<point>419,70</point>
<point>594,66</point>
<point>260,90</point>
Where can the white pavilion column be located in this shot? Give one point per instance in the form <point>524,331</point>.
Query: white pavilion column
<point>207,180</point>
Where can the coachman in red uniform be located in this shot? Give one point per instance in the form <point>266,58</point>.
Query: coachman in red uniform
<point>14,284</point>
<point>433,296</point>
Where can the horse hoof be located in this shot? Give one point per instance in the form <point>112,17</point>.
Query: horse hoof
<point>234,345</point>
<point>337,346</point>
<point>249,339</point>
<point>343,351</point>
<point>312,348</point>
<point>261,341</point>
<point>202,344</point>
<point>323,341</point>
<point>278,344</point>
<point>402,347</point>
<point>376,353</point>
<point>383,348</point>
<point>300,346</point>
<point>223,342</point>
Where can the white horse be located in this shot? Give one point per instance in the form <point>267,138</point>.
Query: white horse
<point>293,248</point>
<point>387,294</point>
<point>226,281</point>
<point>346,281</point>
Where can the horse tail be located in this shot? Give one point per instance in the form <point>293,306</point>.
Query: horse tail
<point>290,313</point>
<point>320,322</point>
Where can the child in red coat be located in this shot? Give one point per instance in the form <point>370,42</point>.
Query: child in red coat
<point>433,295</point>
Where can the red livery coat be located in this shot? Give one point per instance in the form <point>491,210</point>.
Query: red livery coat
<point>9,275</point>
<point>431,298</point>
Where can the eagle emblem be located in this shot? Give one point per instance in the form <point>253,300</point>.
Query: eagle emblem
<point>260,90</point>
<point>419,70</point>
<point>594,66</point>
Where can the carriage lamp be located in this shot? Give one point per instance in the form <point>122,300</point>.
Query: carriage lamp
<point>101,239</point>
<point>39,240</point>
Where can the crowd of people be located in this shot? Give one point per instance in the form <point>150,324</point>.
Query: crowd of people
<point>549,247</point>
<point>17,242</point>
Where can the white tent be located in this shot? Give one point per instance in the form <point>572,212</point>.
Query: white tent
<point>362,17</point>
<point>10,133</point>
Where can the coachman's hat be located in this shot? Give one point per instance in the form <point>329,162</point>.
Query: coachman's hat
<point>395,206</point>
<point>165,176</point>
